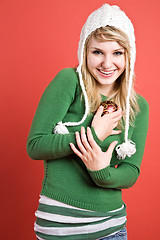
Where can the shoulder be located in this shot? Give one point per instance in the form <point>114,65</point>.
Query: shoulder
<point>67,74</point>
<point>142,103</point>
<point>143,113</point>
<point>65,80</point>
<point>64,83</point>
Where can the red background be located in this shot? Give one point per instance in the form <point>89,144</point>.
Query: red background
<point>38,38</point>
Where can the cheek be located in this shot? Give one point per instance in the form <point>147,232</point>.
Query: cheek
<point>122,64</point>
<point>92,62</point>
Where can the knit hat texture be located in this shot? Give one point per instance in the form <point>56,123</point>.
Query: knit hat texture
<point>111,16</point>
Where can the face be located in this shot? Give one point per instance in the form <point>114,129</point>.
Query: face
<point>106,62</point>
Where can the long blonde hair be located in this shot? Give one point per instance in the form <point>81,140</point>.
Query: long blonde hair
<point>119,96</point>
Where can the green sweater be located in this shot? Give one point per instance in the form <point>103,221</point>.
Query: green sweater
<point>66,177</point>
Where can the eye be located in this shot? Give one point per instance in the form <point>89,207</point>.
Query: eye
<point>118,53</point>
<point>97,52</point>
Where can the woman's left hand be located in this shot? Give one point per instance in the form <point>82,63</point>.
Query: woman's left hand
<point>89,151</point>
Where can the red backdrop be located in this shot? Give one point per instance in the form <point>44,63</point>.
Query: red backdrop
<point>38,38</point>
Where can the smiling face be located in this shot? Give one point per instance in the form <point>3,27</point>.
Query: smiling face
<point>106,62</point>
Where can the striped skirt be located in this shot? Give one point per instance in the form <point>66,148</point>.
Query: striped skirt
<point>56,220</point>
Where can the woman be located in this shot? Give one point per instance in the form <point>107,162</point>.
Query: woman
<point>84,173</point>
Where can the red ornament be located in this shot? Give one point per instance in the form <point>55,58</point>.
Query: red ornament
<point>109,107</point>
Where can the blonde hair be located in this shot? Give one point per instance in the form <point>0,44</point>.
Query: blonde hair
<point>120,90</point>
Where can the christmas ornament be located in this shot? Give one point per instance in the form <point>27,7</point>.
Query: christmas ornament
<point>109,107</point>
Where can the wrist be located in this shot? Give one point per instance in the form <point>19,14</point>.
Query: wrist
<point>96,134</point>
<point>100,136</point>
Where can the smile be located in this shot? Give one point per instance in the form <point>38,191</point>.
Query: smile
<point>108,73</point>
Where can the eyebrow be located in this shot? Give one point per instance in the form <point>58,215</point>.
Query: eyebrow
<point>99,49</point>
<point>119,49</point>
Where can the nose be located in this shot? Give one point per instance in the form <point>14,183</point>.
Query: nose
<point>107,61</point>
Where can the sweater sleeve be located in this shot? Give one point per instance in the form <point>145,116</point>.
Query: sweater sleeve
<point>128,170</point>
<point>53,106</point>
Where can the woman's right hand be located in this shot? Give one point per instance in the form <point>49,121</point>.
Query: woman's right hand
<point>104,125</point>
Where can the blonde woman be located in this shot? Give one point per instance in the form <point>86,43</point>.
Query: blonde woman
<point>84,169</point>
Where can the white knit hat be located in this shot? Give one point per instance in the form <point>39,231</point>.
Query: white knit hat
<point>111,16</point>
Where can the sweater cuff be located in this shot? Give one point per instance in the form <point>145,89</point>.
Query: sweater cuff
<point>100,177</point>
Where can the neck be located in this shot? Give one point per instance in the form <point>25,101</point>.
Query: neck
<point>106,91</point>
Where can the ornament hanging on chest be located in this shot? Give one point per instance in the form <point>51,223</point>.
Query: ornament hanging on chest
<point>109,107</point>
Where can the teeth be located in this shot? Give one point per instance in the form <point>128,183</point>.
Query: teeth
<point>106,73</point>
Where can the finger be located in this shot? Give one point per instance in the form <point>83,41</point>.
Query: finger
<point>116,113</point>
<point>75,150</point>
<point>117,119</point>
<point>115,125</point>
<point>111,148</point>
<point>84,140</point>
<point>99,111</point>
<point>115,132</point>
<point>91,140</point>
<point>79,143</point>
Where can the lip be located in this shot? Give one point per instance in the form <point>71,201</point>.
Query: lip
<point>109,73</point>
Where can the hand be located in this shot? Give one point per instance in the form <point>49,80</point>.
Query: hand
<point>89,151</point>
<point>104,126</point>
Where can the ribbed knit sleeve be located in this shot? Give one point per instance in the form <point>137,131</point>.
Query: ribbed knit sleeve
<point>53,106</point>
<point>128,170</point>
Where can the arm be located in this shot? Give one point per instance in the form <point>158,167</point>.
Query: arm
<point>124,176</point>
<point>128,170</point>
<point>98,163</point>
<point>42,143</point>
<point>53,106</point>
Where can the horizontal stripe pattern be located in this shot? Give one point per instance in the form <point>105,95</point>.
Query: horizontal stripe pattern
<point>57,220</point>
<point>79,230</point>
<point>66,219</point>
